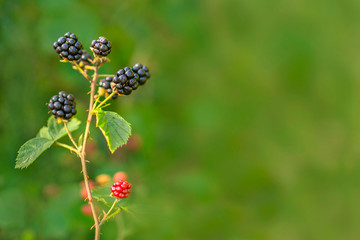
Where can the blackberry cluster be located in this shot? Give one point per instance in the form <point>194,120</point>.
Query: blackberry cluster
<point>121,189</point>
<point>126,80</point>
<point>143,73</point>
<point>62,105</point>
<point>68,47</point>
<point>101,47</point>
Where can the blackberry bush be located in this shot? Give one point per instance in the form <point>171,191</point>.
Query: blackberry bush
<point>62,106</point>
<point>115,129</point>
<point>68,47</point>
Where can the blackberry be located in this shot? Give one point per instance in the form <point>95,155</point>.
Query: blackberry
<point>107,84</point>
<point>68,47</point>
<point>62,105</point>
<point>85,59</point>
<point>126,80</point>
<point>142,71</point>
<point>101,47</point>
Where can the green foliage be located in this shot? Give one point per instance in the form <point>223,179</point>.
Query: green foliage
<point>57,131</point>
<point>32,149</point>
<point>114,128</point>
<point>104,199</point>
<point>104,195</point>
<point>44,133</point>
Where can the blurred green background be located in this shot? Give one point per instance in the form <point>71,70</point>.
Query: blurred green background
<point>250,123</point>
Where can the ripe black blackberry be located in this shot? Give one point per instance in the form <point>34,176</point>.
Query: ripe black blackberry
<point>126,80</point>
<point>108,84</point>
<point>68,47</point>
<point>101,47</point>
<point>62,105</point>
<point>143,73</point>
<point>85,59</point>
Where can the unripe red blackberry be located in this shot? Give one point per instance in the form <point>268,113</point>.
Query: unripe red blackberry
<point>120,176</point>
<point>101,46</point>
<point>62,105</point>
<point>103,179</point>
<point>68,47</point>
<point>121,189</point>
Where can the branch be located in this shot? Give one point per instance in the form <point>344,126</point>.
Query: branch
<point>82,71</point>
<point>103,102</point>
<point>67,147</point>
<point>70,136</point>
<point>82,154</point>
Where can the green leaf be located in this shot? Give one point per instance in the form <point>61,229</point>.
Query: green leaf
<point>103,194</point>
<point>44,133</point>
<point>31,150</point>
<point>114,128</point>
<point>104,200</point>
<point>57,130</point>
<point>43,140</point>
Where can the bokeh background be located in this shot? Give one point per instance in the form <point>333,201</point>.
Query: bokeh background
<point>248,129</point>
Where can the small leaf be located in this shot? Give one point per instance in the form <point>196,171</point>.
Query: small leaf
<point>103,194</point>
<point>44,133</point>
<point>57,130</point>
<point>80,140</point>
<point>114,128</point>
<point>31,150</point>
<point>44,139</point>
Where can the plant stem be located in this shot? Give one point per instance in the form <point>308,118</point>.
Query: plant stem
<point>106,75</point>
<point>105,100</point>
<point>70,136</point>
<point>81,71</point>
<point>67,147</point>
<point>107,214</point>
<point>82,154</point>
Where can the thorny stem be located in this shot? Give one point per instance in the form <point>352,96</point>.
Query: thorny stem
<point>82,154</point>
<point>108,212</point>
<point>81,150</point>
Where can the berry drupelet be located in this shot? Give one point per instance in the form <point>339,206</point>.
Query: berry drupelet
<point>101,47</point>
<point>142,71</point>
<point>62,106</point>
<point>121,189</point>
<point>68,47</point>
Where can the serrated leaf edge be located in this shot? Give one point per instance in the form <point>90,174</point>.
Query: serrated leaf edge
<point>112,150</point>
<point>17,157</point>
